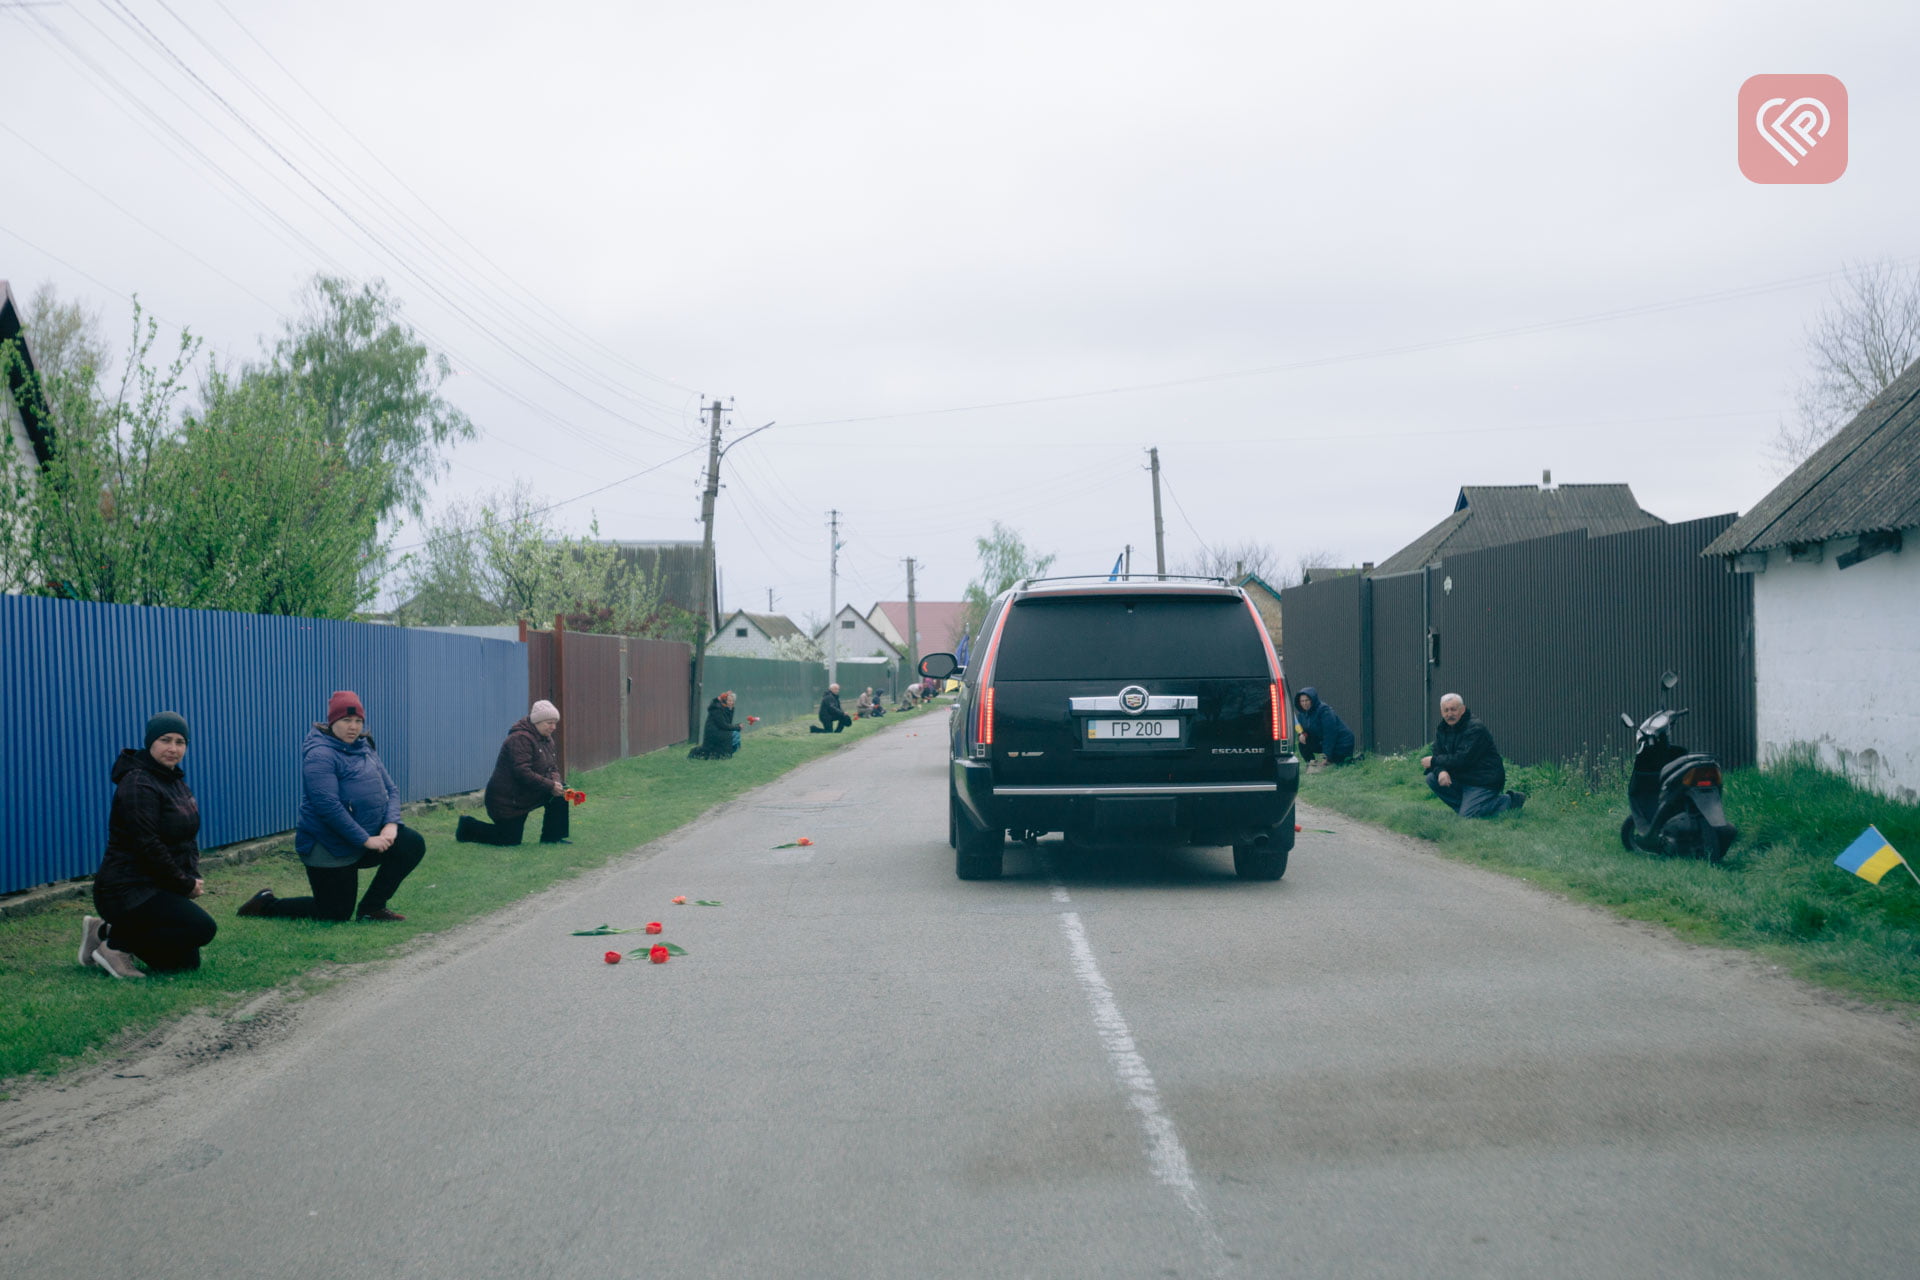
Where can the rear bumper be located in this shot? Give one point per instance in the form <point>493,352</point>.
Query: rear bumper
<point>1206,812</point>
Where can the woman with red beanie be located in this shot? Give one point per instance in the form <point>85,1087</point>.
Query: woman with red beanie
<point>349,819</point>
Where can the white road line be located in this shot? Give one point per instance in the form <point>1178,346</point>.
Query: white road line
<point>1165,1155</point>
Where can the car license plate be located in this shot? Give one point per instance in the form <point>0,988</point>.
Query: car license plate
<point>1133,730</point>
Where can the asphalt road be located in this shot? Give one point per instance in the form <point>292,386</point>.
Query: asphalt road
<point>1384,1065</point>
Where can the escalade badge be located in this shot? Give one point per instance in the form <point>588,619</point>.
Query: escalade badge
<point>1133,699</point>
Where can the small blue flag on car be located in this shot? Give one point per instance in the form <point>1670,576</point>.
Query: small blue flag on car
<point>1117,562</point>
<point>1871,857</point>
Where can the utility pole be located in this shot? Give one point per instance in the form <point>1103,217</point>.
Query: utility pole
<point>769,599</point>
<point>833,599</point>
<point>1128,575</point>
<point>707,499</point>
<point>913,633</point>
<point>1159,529</point>
<point>709,605</point>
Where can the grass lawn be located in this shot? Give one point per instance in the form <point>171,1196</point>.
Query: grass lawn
<point>1778,893</point>
<point>54,1013</point>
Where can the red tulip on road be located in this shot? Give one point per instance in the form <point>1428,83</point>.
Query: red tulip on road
<point>658,955</point>
<point>803,841</point>
<point>613,957</point>
<point>680,901</point>
<point>655,927</point>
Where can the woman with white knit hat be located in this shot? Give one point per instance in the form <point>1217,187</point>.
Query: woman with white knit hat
<point>525,777</point>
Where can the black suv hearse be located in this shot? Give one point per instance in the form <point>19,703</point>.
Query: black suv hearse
<point>1121,712</point>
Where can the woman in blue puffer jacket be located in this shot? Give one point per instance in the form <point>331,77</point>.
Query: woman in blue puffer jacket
<point>1324,730</point>
<point>349,819</point>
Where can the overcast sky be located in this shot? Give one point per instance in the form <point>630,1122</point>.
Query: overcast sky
<point>1323,256</point>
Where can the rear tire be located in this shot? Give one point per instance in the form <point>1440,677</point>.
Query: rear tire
<point>1626,836</point>
<point>977,851</point>
<point>1253,860</point>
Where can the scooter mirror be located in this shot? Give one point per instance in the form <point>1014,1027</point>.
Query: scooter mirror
<point>1668,680</point>
<point>1626,720</point>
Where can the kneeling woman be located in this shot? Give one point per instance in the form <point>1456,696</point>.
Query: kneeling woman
<point>151,870</point>
<point>349,819</point>
<point>719,739</point>
<point>525,777</point>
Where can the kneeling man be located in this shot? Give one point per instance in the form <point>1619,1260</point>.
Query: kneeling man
<point>1465,769</point>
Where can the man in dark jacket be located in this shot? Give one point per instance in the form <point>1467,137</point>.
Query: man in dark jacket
<point>526,777</point>
<point>1325,732</point>
<point>719,739</point>
<point>832,718</point>
<point>1465,769</point>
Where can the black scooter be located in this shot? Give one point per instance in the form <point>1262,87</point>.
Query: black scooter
<point>1674,793</point>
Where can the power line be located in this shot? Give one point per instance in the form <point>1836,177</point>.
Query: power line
<point>1378,353</point>
<point>554,506</point>
<point>120,9</point>
<point>555,315</point>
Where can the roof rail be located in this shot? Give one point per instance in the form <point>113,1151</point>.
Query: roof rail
<point>1130,578</point>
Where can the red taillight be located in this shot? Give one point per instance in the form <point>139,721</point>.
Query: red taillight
<point>1279,714</point>
<point>983,729</point>
<point>1703,776</point>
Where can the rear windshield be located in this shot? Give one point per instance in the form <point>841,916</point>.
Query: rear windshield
<point>1121,638</point>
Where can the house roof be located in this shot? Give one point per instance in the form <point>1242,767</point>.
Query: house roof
<point>1866,479</point>
<point>675,568</point>
<point>13,329</point>
<point>941,621</point>
<point>1255,580</point>
<point>775,625</point>
<point>1495,515</point>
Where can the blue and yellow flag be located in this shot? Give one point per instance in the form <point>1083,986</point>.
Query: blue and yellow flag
<point>1871,857</point>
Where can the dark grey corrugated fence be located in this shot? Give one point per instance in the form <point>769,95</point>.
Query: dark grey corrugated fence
<point>1548,641</point>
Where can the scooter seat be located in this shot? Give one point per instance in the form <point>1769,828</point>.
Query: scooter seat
<point>1674,768</point>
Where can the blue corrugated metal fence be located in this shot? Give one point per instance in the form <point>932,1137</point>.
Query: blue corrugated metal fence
<point>78,681</point>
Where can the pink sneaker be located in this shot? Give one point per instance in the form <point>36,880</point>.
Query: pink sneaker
<point>117,963</point>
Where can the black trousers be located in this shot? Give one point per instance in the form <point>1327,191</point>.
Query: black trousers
<point>166,931</point>
<point>334,887</point>
<point>555,821</point>
<point>832,724</point>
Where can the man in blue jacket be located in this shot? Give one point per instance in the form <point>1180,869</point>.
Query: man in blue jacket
<point>1465,769</point>
<point>1324,732</point>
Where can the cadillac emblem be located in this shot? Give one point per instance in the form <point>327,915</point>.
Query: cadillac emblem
<point>1133,699</point>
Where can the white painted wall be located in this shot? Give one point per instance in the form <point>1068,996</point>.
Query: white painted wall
<point>755,644</point>
<point>1837,663</point>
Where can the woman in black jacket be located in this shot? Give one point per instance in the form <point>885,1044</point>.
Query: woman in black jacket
<point>720,739</point>
<point>150,873</point>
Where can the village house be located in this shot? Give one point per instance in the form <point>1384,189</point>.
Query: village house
<point>1834,551</point>
<point>751,635</point>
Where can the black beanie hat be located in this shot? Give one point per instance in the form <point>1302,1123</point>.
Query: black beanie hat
<point>164,723</point>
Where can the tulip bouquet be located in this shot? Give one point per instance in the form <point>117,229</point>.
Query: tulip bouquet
<point>575,797</point>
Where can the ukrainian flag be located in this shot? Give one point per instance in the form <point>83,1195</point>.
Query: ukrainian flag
<point>1871,857</point>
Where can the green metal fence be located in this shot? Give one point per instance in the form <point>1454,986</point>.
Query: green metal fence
<point>764,687</point>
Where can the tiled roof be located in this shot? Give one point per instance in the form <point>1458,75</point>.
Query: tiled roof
<point>1495,515</point>
<point>941,621</point>
<point>1866,479</point>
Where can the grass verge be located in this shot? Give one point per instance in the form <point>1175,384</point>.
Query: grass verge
<point>54,1013</point>
<point>1778,893</point>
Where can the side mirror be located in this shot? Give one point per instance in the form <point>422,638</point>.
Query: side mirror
<point>1626,720</point>
<point>938,666</point>
<point>1668,680</point>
